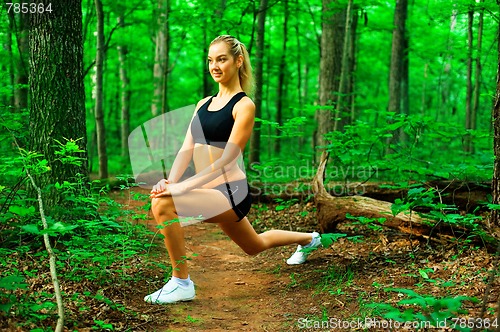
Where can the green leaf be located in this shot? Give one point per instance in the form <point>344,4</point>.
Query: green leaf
<point>58,228</point>
<point>423,274</point>
<point>415,300</point>
<point>13,282</point>
<point>328,238</point>
<point>21,211</point>
<point>31,228</point>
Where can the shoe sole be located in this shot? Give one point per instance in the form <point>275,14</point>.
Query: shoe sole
<point>183,300</point>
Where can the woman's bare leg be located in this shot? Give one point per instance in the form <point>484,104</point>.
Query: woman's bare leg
<point>164,211</point>
<point>194,203</point>
<point>243,234</point>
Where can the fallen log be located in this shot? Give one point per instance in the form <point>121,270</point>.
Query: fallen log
<point>332,210</point>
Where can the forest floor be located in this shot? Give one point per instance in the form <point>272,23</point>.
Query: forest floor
<point>237,292</point>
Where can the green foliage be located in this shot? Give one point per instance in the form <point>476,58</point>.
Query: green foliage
<point>284,204</point>
<point>371,223</point>
<point>423,308</point>
<point>427,202</point>
<point>335,279</point>
<point>90,247</point>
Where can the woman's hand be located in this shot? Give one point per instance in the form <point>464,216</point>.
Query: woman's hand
<point>173,189</point>
<point>159,187</point>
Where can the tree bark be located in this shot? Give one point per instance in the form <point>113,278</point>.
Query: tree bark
<point>495,183</point>
<point>10,67</point>
<point>254,156</point>
<point>99,94</point>
<point>341,107</point>
<point>281,89</point>
<point>477,75</point>
<point>352,54</point>
<point>124,93</point>
<point>300,89</point>
<point>57,94</point>
<point>397,63</point>
<point>160,71</point>
<point>332,210</point>
<point>332,40</point>
<point>468,98</point>
<point>21,62</point>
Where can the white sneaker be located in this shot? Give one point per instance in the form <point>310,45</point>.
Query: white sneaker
<point>171,292</point>
<point>300,256</point>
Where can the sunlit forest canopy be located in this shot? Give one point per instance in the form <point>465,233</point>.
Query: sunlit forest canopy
<point>437,56</point>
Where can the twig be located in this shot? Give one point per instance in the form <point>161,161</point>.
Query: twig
<point>52,259</point>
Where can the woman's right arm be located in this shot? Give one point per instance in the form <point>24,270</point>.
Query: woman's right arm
<point>182,159</point>
<point>185,154</point>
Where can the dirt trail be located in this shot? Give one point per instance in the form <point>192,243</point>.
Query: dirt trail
<point>234,291</point>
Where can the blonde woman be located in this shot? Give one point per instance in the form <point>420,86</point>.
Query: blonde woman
<point>219,191</point>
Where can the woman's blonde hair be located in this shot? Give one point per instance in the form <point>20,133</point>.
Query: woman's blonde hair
<point>236,49</point>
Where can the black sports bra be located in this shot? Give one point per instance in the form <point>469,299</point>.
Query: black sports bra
<point>214,127</point>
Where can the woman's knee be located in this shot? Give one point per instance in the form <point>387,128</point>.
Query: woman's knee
<point>162,205</point>
<point>252,251</point>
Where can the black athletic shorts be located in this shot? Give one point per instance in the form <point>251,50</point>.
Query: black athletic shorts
<point>238,194</point>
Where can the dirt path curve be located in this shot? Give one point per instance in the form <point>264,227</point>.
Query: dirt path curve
<point>234,291</point>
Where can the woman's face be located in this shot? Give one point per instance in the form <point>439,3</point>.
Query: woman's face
<point>221,64</point>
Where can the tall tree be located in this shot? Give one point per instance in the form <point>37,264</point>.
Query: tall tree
<point>478,73</point>
<point>332,40</point>
<point>473,88</point>
<point>57,94</point>
<point>351,63</point>
<point>10,66</point>
<point>281,88</point>
<point>124,89</point>
<point>20,23</point>
<point>254,156</point>
<point>161,70</point>
<point>469,87</point>
<point>342,104</point>
<point>495,183</point>
<point>99,93</point>
<point>397,66</point>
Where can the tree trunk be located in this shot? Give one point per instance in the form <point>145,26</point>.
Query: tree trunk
<point>21,64</point>
<point>477,75</point>
<point>57,94</point>
<point>281,79</point>
<point>124,93</point>
<point>495,183</point>
<point>332,40</point>
<point>468,96</point>
<point>99,112</point>
<point>405,86</point>
<point>300,89</point>
<point>8,48</point>
<point>341,107</point>
<point>254,156</point>
<point>397,63</point>
<point>352,54</point>
<point>160,71</point>
<point>207,79</point>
